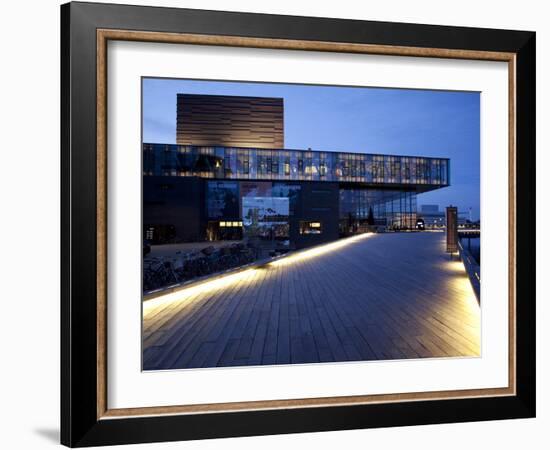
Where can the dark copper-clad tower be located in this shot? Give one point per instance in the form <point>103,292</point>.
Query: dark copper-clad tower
<point>230,121</point>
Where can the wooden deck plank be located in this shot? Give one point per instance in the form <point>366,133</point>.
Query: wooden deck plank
<point>389,296</point>
<point>269,354</point>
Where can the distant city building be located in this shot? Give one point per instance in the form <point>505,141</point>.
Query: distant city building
<point>197,189</point>
<point>432,216</point>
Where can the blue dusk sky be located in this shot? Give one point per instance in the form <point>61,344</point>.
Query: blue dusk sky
<point>362,120</point>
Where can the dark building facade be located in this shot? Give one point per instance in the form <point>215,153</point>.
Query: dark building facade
<point>231,121</point>
<point>229,177</point>
<point>173,209</point>
<point>199,192</point>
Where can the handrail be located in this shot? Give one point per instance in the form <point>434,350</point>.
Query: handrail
<point>472,269</point>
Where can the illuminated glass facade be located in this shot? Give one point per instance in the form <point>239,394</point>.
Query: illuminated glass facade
<point>199,190</point>
<point>227,163</point>
<point>395,209</point>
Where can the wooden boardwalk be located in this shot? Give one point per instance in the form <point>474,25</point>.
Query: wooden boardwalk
<point>384,296</point>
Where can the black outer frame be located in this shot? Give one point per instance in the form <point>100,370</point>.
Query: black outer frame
<point>79,423</point>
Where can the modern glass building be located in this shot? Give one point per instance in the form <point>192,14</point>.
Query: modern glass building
<point>234,163</point>
<point>196,192</point>
<point>229,177</point>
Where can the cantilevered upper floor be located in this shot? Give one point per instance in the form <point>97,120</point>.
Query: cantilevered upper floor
<point>302,165</point>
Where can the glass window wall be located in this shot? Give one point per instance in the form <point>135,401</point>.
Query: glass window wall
<point>283,164</point>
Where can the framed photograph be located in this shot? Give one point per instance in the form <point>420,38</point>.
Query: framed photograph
<point>276,224</point>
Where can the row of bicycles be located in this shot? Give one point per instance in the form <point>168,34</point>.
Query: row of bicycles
<point>161,272</point>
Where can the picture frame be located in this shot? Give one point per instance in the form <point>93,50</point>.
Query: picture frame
<point>86,418</point>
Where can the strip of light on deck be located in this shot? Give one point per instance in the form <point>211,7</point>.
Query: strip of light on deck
<point>319,250</point>
<point>246,276</point>
<point>192,292</point>
<point>463,296</point>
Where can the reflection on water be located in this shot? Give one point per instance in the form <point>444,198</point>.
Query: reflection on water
<point>472,244</point>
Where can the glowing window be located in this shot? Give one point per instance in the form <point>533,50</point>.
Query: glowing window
<point>314,227</point>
